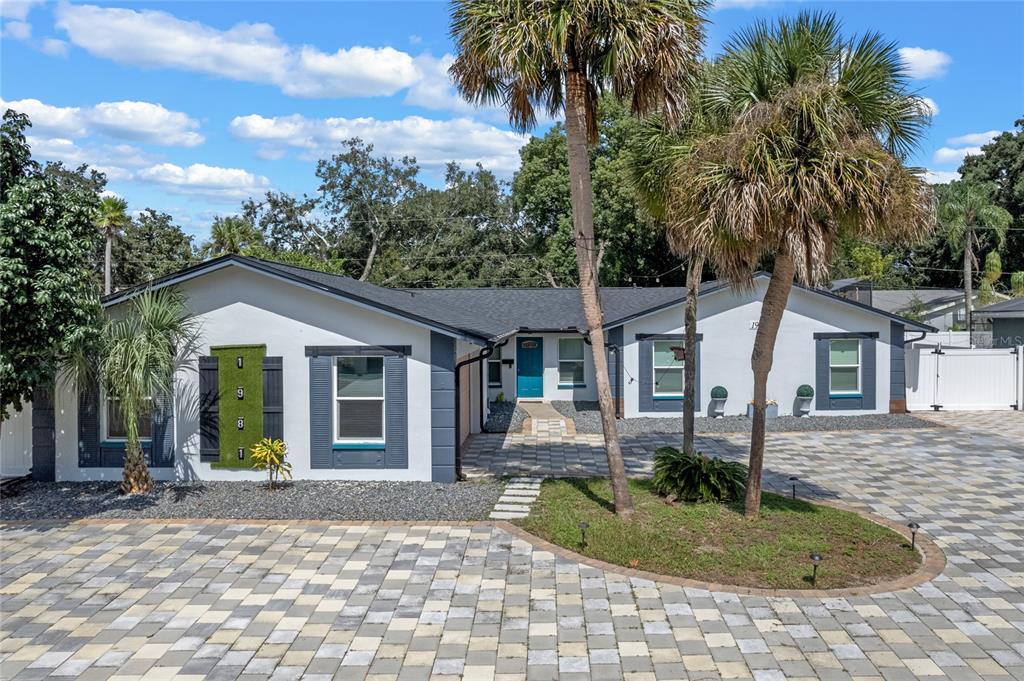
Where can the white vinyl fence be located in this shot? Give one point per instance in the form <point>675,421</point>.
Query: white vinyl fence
<point>954,379</point>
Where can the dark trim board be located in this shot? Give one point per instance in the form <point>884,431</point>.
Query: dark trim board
<point>840,335</point>
<point>357,350</point>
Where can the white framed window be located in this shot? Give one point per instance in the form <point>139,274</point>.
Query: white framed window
<point>114,428</point>
<point>570,363</point>
<point>844,369</point>
<point>358,399</point>
<point>668,371</point>
<point>494,369</point>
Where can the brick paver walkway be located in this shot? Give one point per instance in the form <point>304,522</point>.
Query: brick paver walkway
<point>318,601</point>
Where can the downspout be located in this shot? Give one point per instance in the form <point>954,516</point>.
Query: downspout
<point>914,340</point>
<point>618,370</point>
<point>484,354</point>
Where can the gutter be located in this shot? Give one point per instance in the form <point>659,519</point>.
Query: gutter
<point>914,340</point>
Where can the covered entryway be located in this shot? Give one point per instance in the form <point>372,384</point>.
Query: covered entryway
<point>530,367</point>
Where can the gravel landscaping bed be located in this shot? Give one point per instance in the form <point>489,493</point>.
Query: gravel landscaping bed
<point>505,417</point>
<point>588,420</point>
<point>300,500</point>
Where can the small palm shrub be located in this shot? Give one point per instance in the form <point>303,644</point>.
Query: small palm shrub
<point>691,476</point>
<point>269,455</point>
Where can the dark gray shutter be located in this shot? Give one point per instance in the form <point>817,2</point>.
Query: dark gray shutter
<point>209,409</point>
<point>396,413</point>
<point>442,407</point>
<point>614,362</point>
<point>161,453</point>
<point>89,425</point>
<point>868,373</point>
<point>321,454</point>
<point>44,444</point>
<point>897,369</point>
<point>273,398</point>
<point>821,346</point>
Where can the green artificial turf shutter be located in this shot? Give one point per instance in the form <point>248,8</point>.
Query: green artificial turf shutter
<point>209,401</point>
<point>240,416</point>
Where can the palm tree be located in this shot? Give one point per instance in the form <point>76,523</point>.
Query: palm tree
<point>138,357</point>
<point>804,146</point>
<point>231,235</point>
<point>969,219</point>
<point>557,55</point>
<point>111,218</point>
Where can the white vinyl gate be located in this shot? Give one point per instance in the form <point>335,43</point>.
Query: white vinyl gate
<point>964,379</point>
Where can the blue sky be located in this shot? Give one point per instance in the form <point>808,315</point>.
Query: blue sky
<point>191,107</point>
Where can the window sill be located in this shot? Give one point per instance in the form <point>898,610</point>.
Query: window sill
<point>493,385</point>
<point>842,396</point>
<point>357,445</point>
<point>569,386</point>
<point>668,397</point>
<point>123,444</point>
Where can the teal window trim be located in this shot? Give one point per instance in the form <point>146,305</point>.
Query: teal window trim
<point>564,386</point>
<point>668,397</point>
<point>357,445</point>
<point>843,396</point>
<point>123,444</point>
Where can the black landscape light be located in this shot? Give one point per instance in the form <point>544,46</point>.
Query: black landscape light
<point>583,534</point>
<point>815,561</point>
<point>914,527</point>
<point>792,481</point>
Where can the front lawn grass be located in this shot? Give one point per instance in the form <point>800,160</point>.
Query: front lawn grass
<point>715,543</point>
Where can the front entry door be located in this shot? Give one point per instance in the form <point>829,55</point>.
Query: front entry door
<point>530,363</point>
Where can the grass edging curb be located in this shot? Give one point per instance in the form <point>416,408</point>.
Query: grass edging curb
<point>933,562</point>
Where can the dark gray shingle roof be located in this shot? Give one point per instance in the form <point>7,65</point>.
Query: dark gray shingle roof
<point>902,300</point>
<point>1008,308</point>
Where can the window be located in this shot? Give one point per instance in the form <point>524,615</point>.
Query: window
<point>570,362</point>
<point>494,369</point>
<point>844,367</point>
<point>114,427</point>
<point>668,371</point>
<point>359,399</point>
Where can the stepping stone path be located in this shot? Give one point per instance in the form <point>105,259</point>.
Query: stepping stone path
<point>518,497</point>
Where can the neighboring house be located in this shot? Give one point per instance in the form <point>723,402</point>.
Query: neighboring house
<point>1007,320</point>
<point>365,382</point>
<point>942,308</point>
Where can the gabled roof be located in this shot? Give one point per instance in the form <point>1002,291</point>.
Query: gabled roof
<point>903,300</point>
<point>477,315</point>
<point>1008,308</point>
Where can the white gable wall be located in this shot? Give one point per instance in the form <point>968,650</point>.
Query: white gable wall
<point>726,321</point>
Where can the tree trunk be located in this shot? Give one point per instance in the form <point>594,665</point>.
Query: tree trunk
<point>693,272</point>
<point>772,308</point>
<point>969,284</point>
<point>107,252</point>
<point>136,478</point>
<point>369,259</point>
<point>582,198</point>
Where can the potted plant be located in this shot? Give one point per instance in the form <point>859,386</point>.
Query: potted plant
<point>718,397</point>
<point>771,409</point>
<point>804,395</point>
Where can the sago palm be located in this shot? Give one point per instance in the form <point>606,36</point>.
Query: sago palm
<point>111,218</point>
<point>806,136</point>
<point>556,56</point>
<point>138,358</point>
<point>969,219</point>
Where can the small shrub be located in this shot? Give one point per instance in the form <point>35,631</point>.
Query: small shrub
<point>269,455</point>
<point>500,398</point>
<point>691,476</point>
<point>719,393</point>
<point>805,391</point>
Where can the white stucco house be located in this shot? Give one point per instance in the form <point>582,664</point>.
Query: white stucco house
<point>371,383</point>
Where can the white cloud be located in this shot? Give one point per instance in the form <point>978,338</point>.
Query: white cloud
<point>949,155</point>
<point>433,142</point>
<point>247,52</point>
<point>202,180</point>
<point>930,107</point>
<point>940,176</point>
<point>925,63</point>
<point>415,39</point>
<point>17,9</point>
<point>54,47</point>
<point>118,161</point>
<point>17,30</point>
<point>974,138</point>
<point>137,121</point>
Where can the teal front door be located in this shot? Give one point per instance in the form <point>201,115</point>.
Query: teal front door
<point>530,363</point>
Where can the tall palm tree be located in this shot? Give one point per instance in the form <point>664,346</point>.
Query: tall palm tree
<point>806,145</point>
<point>111,218</point>
<point>557,55</point>
<point>969,219</point>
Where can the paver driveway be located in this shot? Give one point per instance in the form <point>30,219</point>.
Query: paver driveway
<point>161,600</point>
